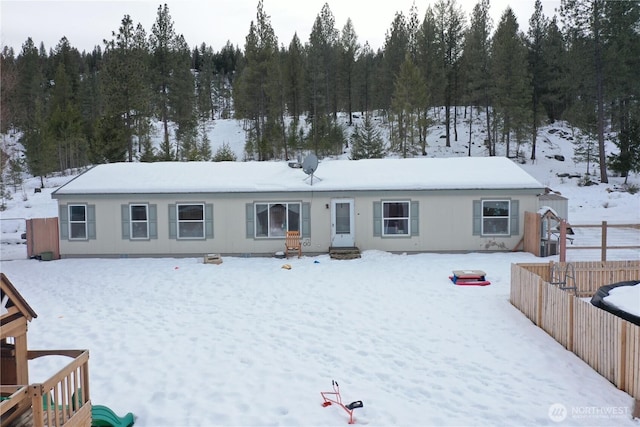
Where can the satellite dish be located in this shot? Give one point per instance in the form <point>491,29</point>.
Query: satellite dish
<point>310,164</point>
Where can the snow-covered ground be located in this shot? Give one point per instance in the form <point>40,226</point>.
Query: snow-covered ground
<point>248,343</point>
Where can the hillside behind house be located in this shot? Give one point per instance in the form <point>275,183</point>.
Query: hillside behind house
<point>247,342</point>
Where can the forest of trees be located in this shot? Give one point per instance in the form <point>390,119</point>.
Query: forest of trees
<point>72,108</point>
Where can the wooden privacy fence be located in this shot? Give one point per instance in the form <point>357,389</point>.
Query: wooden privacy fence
<point>608,343</point>
<point>42,237</point>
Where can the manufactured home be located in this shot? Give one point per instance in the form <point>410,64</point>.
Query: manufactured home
<point>246,208</point>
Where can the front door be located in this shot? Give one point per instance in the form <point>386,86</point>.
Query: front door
<point>342,229</point>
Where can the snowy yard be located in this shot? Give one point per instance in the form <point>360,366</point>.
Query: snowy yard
<point>182,343</point>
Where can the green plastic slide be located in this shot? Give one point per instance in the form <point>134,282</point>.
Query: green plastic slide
<point>103,416</point>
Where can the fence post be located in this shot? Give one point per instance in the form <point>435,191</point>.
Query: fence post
<point>563,241</point>
<point>570,324</point>
<point>622,357</point>
<point>603,249</point>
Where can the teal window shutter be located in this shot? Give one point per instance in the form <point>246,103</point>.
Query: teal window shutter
<point>250,220</point>
<point>477,217</point>
<point>208,221</point>
<point>306,219</point>
<point>153,221</point>
<point>377,218</point>
<point>124,209</point>
<point>515,217</point>
<point>415,218</point>
<point>63,214</point>
<point>91,222</point>
<point>173,222</point>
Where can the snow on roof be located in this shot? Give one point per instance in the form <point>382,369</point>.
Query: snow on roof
<point>331,175</point>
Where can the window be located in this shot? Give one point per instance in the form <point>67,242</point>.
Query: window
<point>77,222</point>
<point>139,224</point>
<point>275,219</point>
<point>495,217</point>
<point>190,221</point>
<point>395,218</point>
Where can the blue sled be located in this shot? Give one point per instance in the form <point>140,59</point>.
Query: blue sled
<point>102,416</point>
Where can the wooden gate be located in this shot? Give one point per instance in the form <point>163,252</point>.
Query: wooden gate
<point>43,238</point>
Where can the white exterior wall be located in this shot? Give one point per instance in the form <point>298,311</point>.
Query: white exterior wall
<point>445,223</point>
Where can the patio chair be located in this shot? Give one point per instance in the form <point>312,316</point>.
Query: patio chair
<point>292,243</point>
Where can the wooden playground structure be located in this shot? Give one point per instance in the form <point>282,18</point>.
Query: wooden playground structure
<point>64,398</point>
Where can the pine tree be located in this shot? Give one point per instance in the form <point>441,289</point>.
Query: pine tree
<point>628,142</point>
<point>321,66</point>
<point>224,154</point>
<point>621,33</point>
<point>535,43</point>
<point>349,49</point>
<point>182,101</point>
<point>294,77</point>
<point>8,87</point>
<point>583,21</point>
<point>477,60</point>
<point>555,98</point>
<point>449,21</point>
<point>64,123</point>
<point>366,142</point>
<point>395,49</point>
<point>512,93</point>
<point>162,45</point>
<point>124,80</point>
<point>251,88</point>
<point>408,101</point>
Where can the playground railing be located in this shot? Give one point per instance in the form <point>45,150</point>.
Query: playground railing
<point>17,401</point>
<point>63,399</point>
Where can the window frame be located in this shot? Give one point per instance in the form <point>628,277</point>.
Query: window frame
<point>180,222</point>
<point>407,219</point>
<point>484,217</point>
<point>287,216</point>
<point>133,221</point>
<point>71,221</point>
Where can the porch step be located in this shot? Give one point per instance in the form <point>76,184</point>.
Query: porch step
<point>344,253</point>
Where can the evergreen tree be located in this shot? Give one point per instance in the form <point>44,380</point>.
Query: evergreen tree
<point>395,49</point>
<point>628,142</point>
<point>366,142</point>
<point>8,87</point>
<point>349,49</point>
<point>621,32</point>
<point>428,63</point>
<point>64,124</point>
<point>583,21</point>
<point>162,43</point>
<point>477,60</point>
<point>365,81</point>
<point>204,84</point>
<point>408,101</point>
<point>30,87</point>
<point>449,21</point>
<point>512,96</point>
<point>251,91</point>
<point>125,81</point>
<point>538,69</point>
<point>40,151</point>
<point>294,77</point>
<point>555,97</point>
<point>224,154</point>
<point>321,55</point>
<point>182,101</point>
